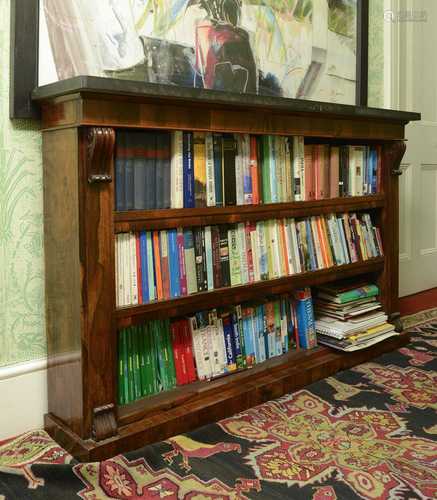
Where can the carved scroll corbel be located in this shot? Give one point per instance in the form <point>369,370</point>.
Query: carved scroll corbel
<point>104,422</point>
<point>395,153</point>
<point>100,148</point>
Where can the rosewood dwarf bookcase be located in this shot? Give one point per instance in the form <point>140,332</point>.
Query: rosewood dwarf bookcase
<point>80,118</point>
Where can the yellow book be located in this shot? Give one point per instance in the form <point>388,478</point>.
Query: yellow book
<point>199,152</point>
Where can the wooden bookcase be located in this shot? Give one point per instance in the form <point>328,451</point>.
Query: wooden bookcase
<point>80,118</point>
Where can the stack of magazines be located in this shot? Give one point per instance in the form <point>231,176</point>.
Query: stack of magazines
<point>349,317</point>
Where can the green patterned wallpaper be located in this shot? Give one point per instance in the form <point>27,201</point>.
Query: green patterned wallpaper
<point>22,330</point>
<point>376,54</point>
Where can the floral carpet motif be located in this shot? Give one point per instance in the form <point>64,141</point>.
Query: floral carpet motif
<point>368,432</point>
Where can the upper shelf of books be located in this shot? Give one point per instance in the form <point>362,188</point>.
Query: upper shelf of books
<point>141,90</point>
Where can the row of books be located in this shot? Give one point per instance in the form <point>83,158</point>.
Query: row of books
<point>166,264</point>
<point>161,169</point>
<point>349,317</point>
<point>161,354</point>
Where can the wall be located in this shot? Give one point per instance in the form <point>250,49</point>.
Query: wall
<point>22,330</point>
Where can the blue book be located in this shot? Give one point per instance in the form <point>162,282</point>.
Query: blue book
<point>305,322</point>
<point>173,257</point>
<point>311,248</point>
<point>218,166</point>
<point>150,267</point>
<point>229,342</point>
<point>144,267</point>
<point>188,170</point>
<point>248,339</point>
<point>149,153</point>
<point>119,167</point>
<point>374,169</point>
<point>129,174</point>
<point>163,169</point>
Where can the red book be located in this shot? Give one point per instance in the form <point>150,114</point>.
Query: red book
<point>176,352</point>
<point>334,172</point>
<point>254,174</point>
<point>188,350</point>
<point>165,271</point>
<point>157,262</point>
<point>309,172</point>
<point>184,369</point>
<point>248,227</point>
<point>326,171</point>
<point>139,277</point>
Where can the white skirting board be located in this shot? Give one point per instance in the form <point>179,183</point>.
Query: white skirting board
<point>23,396</point>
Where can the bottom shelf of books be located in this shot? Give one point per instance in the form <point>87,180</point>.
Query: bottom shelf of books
<point>163,362</point>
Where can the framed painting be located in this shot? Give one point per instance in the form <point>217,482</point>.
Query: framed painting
<point>305,49</point>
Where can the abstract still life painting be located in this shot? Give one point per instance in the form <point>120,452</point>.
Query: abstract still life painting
<point>289,48</point>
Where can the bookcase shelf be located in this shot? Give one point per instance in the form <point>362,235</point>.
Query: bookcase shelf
<point>127,316</point>
<point>80,123</point>
<point>135,220</point>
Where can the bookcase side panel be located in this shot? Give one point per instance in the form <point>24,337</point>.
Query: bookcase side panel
<point>63,276</point>
<point>98,292</point>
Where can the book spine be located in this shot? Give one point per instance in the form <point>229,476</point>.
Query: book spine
<point>234,257</point>
<point>129,174</point>
<point>199,169</point>
<point>263,259</point>
<point>246,167</point>
<point>254,174</point>
<point>188,170</point>
<point>190,262</point>
<point>229,179</point>
<point>229,343</point>
<point>215,242</point>
<point>144,268</point>
<point>120,173</point>
<point>272,169</point>
<point>210,178</point>
<point>241,241</point>
<point>177,175</point>
<point>175,277</point>
<point>218,169</point>
<point>133,268</point>
<point>182,267</point>
<point>198,250</point>
<point>239,173</point>
<point>224,257</point>
<point>265,167</point>
<point>209,260</point>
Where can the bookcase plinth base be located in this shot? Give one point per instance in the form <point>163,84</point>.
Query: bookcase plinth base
<point>212,405</point>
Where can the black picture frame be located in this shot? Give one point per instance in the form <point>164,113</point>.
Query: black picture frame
<point>24,56</point>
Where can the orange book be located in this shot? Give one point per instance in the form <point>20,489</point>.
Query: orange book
<point>326,239</point>
<point>254,174</point>
<point>323,242</point>
<point>309,172</point>
<point>157,261</point>
<point>334,172</point>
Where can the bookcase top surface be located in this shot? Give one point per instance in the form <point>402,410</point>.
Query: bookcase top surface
<point>98,85</point>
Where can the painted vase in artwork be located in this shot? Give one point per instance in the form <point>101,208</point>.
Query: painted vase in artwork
<point>224,57</point>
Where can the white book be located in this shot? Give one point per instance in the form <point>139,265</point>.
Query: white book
<point>126,269</point>
<point>340,329</point>
<point>210,179</point>
<point>208,254</point>
<point>206,349</point>
<point>118,281</point>
<point>220,340</point>
<point>298,168</point>
<point>370,234</point>
<point>239,173</point>
<point>177,178</point>
<point>276,247</point>
<point>255,255</point>
<point>279,165</point>
<point>335,238</point>
<point>343,241</point>
<point>295,246</point>
<point>198,355</point>
<point>243,253</point>
<point>288,247</point>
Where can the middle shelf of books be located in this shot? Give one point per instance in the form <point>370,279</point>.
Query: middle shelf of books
<point>162,269</point>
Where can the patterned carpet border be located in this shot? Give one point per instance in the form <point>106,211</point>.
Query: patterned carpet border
<point>419,318</point>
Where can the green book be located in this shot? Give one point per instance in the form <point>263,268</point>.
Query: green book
<point>142,352</point>
<point>265,169</point>
<point>154,380</point>
<point>349,295</point>
<point>159,356</point>
<point>169,354</point>
<point>130,370</point>
<point>124,353</point>
<point>120,386</point>
<point>136,362</point>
